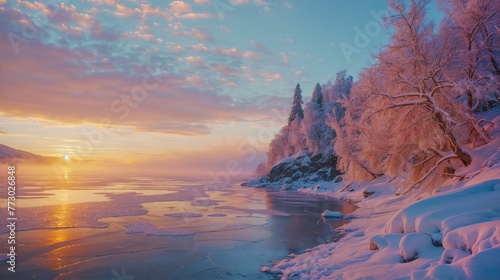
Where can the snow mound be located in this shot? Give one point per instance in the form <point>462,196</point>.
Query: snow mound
<point>151,229</point>
<point>417,245</point>
<point>440,214</point>
<point>484,265</point>
<point>184,215</point>
<point>466,223</point>
<point>475,238</point>
<point>331,214</point>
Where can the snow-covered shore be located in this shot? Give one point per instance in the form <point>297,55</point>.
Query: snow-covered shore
<point>451,234</point>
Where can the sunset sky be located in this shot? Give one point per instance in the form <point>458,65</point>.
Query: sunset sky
<point>173,84</point>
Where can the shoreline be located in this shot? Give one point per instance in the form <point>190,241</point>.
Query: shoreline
<point>413,236</point>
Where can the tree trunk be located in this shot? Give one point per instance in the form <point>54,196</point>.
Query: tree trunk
<point>469,98</point>
<point>455,147</point>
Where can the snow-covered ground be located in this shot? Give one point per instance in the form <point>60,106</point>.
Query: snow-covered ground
<point>453,233</point>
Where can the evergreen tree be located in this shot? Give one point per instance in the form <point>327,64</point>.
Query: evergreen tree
<point>297,111</point>
<point>317,96</point>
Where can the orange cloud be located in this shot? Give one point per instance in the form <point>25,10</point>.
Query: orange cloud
<point>55,84</point>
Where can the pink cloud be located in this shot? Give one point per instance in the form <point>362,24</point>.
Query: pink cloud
<point>124,11</point>
<point>284,59</point>
<point>103,2</point>
<point>144,36</point>
<point>227,82</point>
<point>144,28</point>
<point>174,48</point>
<point>72,31</point>
<point>201,1</point>
<point>195,16</point>
<point>225,70</point>
<point>150,10</point>
<point>196,62</point>
<point>176,26</point>
<point>197,81</point>
<point>196,34</point>
<point>38,6</point>
<point>199,47</point>
<point>234,52</point>
<point>270,76</point>
<point>179,7</point>
<point>61,89</point>
<point>244,2</point>
<point>223,28</point>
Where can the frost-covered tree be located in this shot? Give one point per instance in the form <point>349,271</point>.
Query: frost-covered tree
<point>336,92</point>
<point>297,111</point>
<point>411,121</point>
<point>471,31</point>
<point>317,133</point>
<point>278,148</point>
<point>296,139</point>
<point>290,138</point>
<point>351,133</point>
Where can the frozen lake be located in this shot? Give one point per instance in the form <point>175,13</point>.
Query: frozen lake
<point>150,228</point>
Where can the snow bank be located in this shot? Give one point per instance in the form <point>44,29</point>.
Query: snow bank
<point>452,235</point>
<point>475,238</point>
<point>440,214</point>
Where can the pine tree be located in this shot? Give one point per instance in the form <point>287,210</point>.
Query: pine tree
<point>317,96</point>
<point>297,111</point>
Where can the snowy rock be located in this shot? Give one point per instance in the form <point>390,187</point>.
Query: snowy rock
<point>452,255</point>
<point>412,245</point>
<point>475,238</point>
<point>331,214</point>
<point>295,171</point>
<point>384,240</point>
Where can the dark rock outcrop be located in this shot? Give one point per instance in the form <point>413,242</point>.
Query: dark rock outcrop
<point>298,170</point>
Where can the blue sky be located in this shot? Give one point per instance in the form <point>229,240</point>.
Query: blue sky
<point>172,79</point>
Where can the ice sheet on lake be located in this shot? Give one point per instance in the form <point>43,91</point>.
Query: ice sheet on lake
<point>205,202</point>
<point>184,215</point>
<point>151,229</point>
<point>217,215</point>
<point>254,211</point>
<point>88,214</point>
